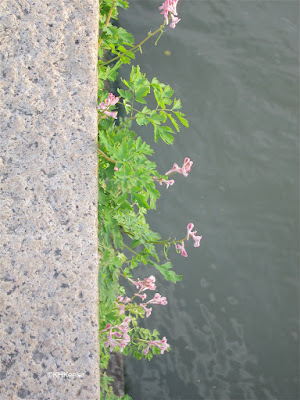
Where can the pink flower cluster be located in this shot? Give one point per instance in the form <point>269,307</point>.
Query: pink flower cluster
<point>192,234</point>
<point>157,299</point>
<point>169,182</point>
<point>184,170</point>
<point>197,239</point>
<point>170,6</point>
<point>119,336</point>
<point>122,306</point>
<point>110,101</point>
<point>181,248</point>
<point>161,344</point>
<point>148,284</point>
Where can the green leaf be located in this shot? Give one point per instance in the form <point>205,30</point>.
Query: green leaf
<point>156,133</point>
<point>140,199</point>
<point>135,243</point>
<point>181,118</point>
<point>141,91</point>
<point>166,271</point>
<point>156,84</point>
<point>126,83</point>
<point>167,138</point>
<point>126,37</point>
<point>177,104</point>
<point>173,122</point>
<point>142,119</point>
<point>156,118</point>
<point>168,91</point>
<point>164,133</point>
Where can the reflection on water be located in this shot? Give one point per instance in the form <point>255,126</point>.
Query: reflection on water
<point>233,321</point>
<point>221,368</point>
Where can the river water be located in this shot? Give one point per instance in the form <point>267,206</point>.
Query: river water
<point>233,321</point>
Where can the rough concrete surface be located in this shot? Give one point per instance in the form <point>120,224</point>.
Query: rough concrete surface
<point>48,200</point>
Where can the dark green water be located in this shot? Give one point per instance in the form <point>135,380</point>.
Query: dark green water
<point>233,322</point>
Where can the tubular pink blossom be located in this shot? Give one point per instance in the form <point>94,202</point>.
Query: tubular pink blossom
<point>116,334</point>
<point>108,326</point>
<point>148,310</point>
<point>175,21</point>
<point>142,296</point>
<point>161,344</point>
<point>111,343</point>
<point>112,114</point>
<point>136,283</point>
<point>122,300</point>
<point>121,308</point>
<point>158,299</point>
<point>181,247</point>
<point>175,168</point>
<point>184,170</point>
<point>170,6</point>
<point>110,101</point>
<point>147,349</point>
<point>162,180</point>
<point>118,337</point>
<point>197,240</point>
<point>183,251</point>
<point>189,227</point>
<point>187,164</point>
<point>147,283</point>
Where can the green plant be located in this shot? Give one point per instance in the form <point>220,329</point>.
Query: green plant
<point>128,182</point>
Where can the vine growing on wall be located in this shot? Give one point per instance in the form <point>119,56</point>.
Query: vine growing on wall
<point>128,187</point>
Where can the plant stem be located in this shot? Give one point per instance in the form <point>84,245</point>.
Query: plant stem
<point>124,123</point>
<point>107,21</point>
<point>137,46</point>
<point>131,250</point>
<point>166,241</point>
<point>105,156</point>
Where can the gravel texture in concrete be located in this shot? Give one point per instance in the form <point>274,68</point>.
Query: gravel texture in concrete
<point>48,194</point>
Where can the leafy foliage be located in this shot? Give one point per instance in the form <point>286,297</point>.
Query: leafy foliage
<point>127,189</point>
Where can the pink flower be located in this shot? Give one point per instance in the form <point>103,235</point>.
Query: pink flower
<point>174,169</point>
<point>158,299</point>
<point>124,342</point>
<point>110,101</point>
<point>122,300</point>
<point>184,170</point>
<point>189,230</point>
<point>108,326</point>
<point>161,344</point>
<point>147,283</point>
<point>175,20</point>
<point>121,308</point>
<point>197,239</point>
<point>148,310</point>
<point>170,6</point>
<point>111,343</point>
<point>181,247</point>
<point>118,337</point>
<point>112,114</point>
<point>142,296</point>
<point>187,164</point>
<point>162,180</point>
